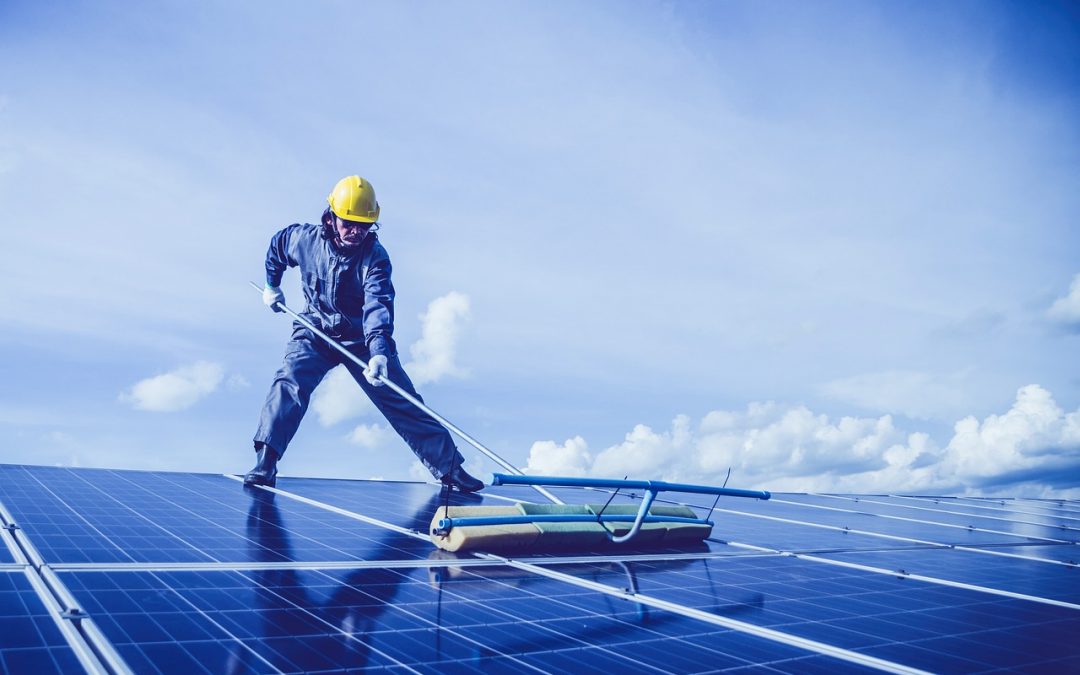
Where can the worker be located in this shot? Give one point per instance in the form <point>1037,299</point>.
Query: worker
<point>345,273</point>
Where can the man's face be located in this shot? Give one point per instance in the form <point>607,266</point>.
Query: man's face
<point>350,233</point>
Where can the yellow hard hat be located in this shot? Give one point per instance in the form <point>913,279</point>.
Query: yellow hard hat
<point>353,198</point>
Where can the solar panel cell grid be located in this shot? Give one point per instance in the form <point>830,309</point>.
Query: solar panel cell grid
<point>381,617</point>
<point>106,516</point>
<point>833,605</point>
<point>1006,508</point>
<point>1036,578</point>
<point>406,607</point>
<point>851,515</point>
<point>30,641</point>
<point>1065,553</point>
<point>985,509</point>
<point>941,516</point>
<point>1060,505</point>
<point>807,665</point>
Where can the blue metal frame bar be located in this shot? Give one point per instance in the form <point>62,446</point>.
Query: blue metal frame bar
<point>650,485</point>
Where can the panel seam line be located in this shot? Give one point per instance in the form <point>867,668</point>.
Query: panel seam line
<point>683,610</point>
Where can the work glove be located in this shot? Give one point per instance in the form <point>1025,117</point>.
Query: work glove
<point>272,295</point>
<point>376,368</point>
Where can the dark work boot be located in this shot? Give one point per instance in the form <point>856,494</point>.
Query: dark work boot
<point>460,480</point>
<point>265,470</point>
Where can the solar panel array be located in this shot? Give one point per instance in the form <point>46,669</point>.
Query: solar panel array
<point>126,571</point>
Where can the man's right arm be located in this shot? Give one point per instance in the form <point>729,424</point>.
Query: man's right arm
<point>279,256</point>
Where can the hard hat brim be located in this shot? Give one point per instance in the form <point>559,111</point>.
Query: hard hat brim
<point>357,219</point>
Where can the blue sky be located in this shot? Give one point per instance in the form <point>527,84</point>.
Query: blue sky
<point>830,245</point>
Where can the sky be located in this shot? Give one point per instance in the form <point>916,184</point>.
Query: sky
<point>830,246</point>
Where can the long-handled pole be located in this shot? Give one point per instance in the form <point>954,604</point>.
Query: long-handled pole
<point>409,397</point>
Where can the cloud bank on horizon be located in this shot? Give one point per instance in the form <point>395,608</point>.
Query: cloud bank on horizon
<point>1032,450</point>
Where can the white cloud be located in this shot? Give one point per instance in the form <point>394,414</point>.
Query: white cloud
<point>175,390</point>
<point>548,458</point>
<point>912,393</point>
<point>1066,310</point>
<point>338,397</point>
<point>433,355</point>
<point>1031,449</point>
<point>644,452</point>
<point>1035,433</point>
<point>370,436</point>
<point>237,382</point>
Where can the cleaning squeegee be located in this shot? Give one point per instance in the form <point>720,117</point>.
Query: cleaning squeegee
<point>538,527</point>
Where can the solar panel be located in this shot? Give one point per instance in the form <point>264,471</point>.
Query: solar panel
<point>100,516</point>
<point>475,619</point>
<point>1034,528</point>
<point>866,612</point>
<point>30,640</point>
<point>175,572</point>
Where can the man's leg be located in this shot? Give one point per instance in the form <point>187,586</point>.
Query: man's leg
<point>304,366</point>
<point>429,440</point>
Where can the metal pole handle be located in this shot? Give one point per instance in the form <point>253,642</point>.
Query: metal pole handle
<point>409,397</point>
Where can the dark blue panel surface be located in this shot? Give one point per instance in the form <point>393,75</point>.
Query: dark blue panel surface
<point>999,510</point>
<point>396,503</point>
<point>1069,553</point>
<point>30,641</point>
<point>1006,508</point>
<point>475,619</point>
<point>1029,577</point>
<point>931,515</point>
<point>922,625</point>
<point>103,516</point>
<point>1061,506</point>
<point>54,528</point>
<point>849,516</point>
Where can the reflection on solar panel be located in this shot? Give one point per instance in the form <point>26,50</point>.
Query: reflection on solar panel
<point>125,571</point>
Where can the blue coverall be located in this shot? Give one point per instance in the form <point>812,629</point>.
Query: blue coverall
<point>350,297</point>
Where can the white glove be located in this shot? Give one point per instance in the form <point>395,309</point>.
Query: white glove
<point>273,295</point>
<point>376,368</point>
